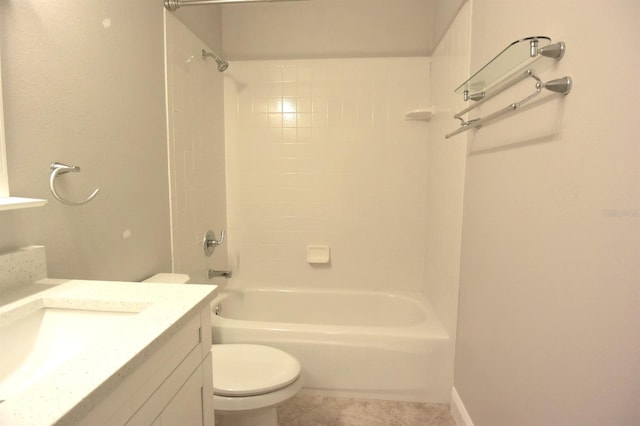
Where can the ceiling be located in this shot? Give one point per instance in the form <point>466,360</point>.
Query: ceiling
<point>335,28</point>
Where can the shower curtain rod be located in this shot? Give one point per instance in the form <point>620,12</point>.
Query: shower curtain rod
<point>175,4</point>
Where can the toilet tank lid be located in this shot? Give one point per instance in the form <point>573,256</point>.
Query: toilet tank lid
<point>168,278</point>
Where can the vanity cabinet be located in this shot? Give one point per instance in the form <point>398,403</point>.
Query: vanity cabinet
<point>172,386</point>
<point>189,405</point>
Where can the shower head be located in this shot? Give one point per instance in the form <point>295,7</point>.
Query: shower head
<point>222,64</point>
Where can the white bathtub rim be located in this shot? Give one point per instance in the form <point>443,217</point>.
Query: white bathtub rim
<point>429,331</point>
<point>412,295</point>
<point>431,326</point>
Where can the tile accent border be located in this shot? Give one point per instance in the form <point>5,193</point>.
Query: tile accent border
<point>459,411</point>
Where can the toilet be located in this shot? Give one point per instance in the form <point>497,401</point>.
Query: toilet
<point>249,381</point>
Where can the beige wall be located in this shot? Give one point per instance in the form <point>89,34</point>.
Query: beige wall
<point>205,22</point>
<point>336,28</point>
<point>319,153</point>
<point>444,12</point>
<point>328,29</point>
<point>549,296</point>
<point>84,83</point>
<point>196,149</point>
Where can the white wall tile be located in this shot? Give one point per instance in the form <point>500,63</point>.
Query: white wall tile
<point>336,164</point>
<point>197,154</point>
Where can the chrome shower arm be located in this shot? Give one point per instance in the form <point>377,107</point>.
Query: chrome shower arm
<point>222,64</point>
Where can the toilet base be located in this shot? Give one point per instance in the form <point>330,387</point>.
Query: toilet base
<point>261,417</point>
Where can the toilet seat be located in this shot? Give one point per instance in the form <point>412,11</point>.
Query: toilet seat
<point>244,370</point>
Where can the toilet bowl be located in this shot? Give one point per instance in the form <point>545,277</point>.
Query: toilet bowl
<point>249,381</point>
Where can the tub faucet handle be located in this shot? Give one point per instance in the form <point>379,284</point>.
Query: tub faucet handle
<point>210,243</point>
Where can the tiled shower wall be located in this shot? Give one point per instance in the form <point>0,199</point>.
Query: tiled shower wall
<point>196,151</point>
<point>319,153</point>
<point>446,171</point>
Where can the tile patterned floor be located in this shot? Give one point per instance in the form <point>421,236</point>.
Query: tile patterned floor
<point>314,410</point>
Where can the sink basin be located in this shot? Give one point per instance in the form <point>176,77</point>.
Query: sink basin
<point>39,338</point>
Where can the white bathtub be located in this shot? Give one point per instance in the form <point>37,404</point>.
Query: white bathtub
<point>356,344</point>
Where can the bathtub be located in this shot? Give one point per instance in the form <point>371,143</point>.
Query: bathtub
<point>358,344</point>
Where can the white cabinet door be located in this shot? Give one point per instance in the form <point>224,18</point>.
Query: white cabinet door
<point>190,405</point>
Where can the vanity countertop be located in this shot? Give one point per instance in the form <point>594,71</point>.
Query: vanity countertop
<point>75,387</point>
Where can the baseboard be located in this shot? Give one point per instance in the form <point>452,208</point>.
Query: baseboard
<point>458,410</point>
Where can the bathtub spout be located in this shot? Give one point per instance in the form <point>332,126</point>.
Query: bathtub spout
<point>214,274</point>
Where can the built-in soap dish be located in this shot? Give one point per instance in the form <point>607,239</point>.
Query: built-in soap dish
<point>422,114</point>
<point>318,254</point>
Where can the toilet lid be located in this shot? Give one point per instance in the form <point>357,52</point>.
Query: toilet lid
<point>246,370</point>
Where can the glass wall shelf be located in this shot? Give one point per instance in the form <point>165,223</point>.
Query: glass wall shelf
<point>514,64</point>
<point>517,55</point>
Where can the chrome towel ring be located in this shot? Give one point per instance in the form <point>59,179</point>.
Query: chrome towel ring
<point>60,169</point>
